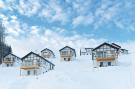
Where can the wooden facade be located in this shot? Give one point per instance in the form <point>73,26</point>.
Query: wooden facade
<point>11,60</point>
<point>34,64</point>
<point>105,55</point>
<point>47,53</point>
<point>67,54</point>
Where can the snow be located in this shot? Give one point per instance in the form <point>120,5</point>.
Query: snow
<point>77,74</point>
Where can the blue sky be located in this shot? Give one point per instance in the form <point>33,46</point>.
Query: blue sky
<point>106,20</point>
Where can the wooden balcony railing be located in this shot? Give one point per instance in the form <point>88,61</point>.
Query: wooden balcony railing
<point>8,61</point>
<point>66,55</point>
<point>106,59</point>
<point>27,67</point>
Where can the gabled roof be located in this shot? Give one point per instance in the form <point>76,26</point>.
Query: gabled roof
<point>69,48</point>
<point>48,49</point>
<point>105,44</point>
<point>116,45</point>
<point>66,47</point>
<point>38,56</point>
<point>12,55</point>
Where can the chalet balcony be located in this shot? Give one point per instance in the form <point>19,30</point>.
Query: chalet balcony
<point>8,61</point>
<point>67,55</point>
<point>27,67</point>
<point>106,59</point>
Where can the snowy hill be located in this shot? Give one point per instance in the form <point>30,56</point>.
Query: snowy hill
<point>78,74</point>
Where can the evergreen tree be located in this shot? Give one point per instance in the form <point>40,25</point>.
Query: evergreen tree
<point>4,49</point>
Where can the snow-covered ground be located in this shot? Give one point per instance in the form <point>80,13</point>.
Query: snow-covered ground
<point>78,74</point>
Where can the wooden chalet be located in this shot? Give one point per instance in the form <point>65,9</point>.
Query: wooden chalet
<point>86,51</point>
<point>11,60</point>
<point>47,53</point>
<point>105,55</point>
<point>67,54</point>
<point>34,64</point>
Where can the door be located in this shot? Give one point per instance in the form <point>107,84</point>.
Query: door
<point>101,64</point>
<point>28,72</point>
<point>35,72</point>
<point>68,59</point>
<point>109,63</point>
<point>7,65</point>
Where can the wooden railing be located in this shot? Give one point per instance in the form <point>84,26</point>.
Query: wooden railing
<point>66,55</point>
<point>106,59</point>
<point>26,67</point>
<point>8,61</point>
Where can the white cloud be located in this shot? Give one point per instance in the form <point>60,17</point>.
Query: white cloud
<point>50,39</point>
<point>83,20</point>
<point>12,25</point>
<point>53,12</point>
<point>1,4</point>
<point>29,7</point>
<point>34,30</point>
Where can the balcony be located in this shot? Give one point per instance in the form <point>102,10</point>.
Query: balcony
<point>27,67</point>
<point>8,61</point>
<point>106,59</point>
<point>66,55</point>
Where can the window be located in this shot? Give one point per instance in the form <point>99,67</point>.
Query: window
<point>34,62</point>
<point>102,54</point>
<point>64,52</point>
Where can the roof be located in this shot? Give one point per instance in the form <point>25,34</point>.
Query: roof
<point>88,48</point>
<point>48,49</point>
<point>66,47</point>
<point>13,55</point>
<point>124,49</point>
<point>36,55</point>
<point>116,45</point>
<point>105,44</point>
<point>69,48</point>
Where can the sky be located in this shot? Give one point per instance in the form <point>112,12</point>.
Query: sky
<point>32,25</point>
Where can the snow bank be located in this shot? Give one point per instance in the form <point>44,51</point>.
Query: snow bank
<point>78,74</point>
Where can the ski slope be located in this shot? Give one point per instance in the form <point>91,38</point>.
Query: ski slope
<point>77,74</point>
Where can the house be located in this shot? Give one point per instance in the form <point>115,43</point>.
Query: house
<point>105,55</point>
<point>11,60</point>
<point>47,53</point>
<point>67,54</point>
<point>124,51</point>
<point>86,51</point>
<point>34,64</point>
